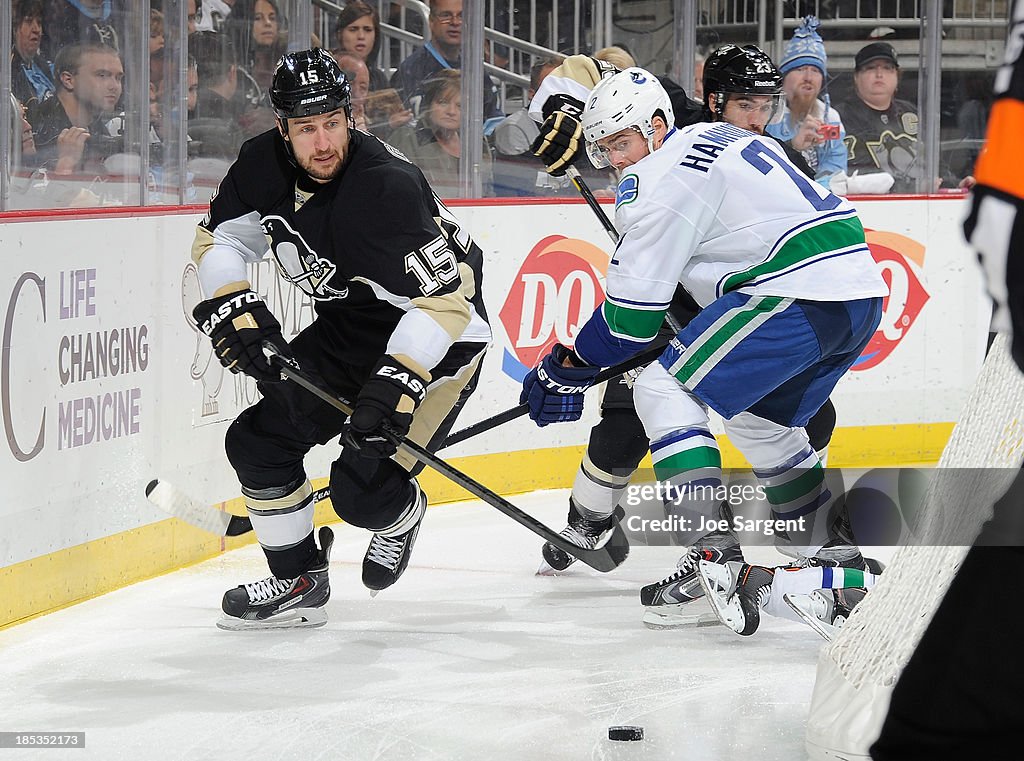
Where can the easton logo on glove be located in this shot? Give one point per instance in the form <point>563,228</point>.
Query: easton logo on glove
<point>399,374</point>
<point>384,409</point>
<point>239,324</point>
<point>554,386</point>
<point>554,390</point>
<point>229,308</point>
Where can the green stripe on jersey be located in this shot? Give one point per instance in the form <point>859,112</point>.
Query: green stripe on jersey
<point>640,324</point>
<point>709,344</point>
<point>821,239</point>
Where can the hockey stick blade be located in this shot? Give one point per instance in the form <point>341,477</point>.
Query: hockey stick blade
<point>175,502</point>
<point>604,558</point>
<point>647,355</point>
<point>202,515</point>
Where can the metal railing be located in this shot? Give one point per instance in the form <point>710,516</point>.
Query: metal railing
<point>768,22</point>
<point>518,54</point>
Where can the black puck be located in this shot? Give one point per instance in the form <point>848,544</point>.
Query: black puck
<point>625,733</point>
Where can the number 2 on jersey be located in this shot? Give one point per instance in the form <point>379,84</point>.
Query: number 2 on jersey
<point>763,159</point>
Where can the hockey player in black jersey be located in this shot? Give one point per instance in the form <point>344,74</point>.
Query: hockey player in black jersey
<point>400,329</point>
<point>741,86</point>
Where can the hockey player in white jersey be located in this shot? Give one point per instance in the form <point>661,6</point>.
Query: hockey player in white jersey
<point>790,298</point>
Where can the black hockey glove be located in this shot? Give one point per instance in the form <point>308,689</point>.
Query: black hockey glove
<point>385,405</point>
<point>238,324</point>
<point>560,142</point>
<point>555,392</point>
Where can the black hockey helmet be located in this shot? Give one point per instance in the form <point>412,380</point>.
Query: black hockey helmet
<point>734,69</point>
<point>309,83</point>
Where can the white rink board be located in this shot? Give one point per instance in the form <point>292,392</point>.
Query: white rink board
<point>65,279</point>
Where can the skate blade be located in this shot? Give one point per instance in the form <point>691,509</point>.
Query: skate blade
<point>299,618</point>
<point>374,593</point>
<point>718,583</point>
<point>800,605</point>
<point>688,615</point>
<point>547,570</point>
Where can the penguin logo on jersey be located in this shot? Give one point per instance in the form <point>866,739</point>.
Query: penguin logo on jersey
<point>298,263</point>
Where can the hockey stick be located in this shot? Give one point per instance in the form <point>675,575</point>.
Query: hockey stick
<point>604,558</point>
<point>202,515</point>
<point>584,190</point>
<point>647,355</point>
<point>207,517</point>
<point>577,180</point>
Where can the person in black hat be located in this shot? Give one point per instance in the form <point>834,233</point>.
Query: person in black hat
<point>881,129</point>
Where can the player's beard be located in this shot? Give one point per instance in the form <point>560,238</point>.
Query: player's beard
<point>320,171</point>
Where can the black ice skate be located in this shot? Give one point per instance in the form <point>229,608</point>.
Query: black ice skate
<point>274,603</point>
<point>670,601</point>
<point>826,610</point>
<point>737,592</point>
<point>582,532</point>
<point>387,556</point>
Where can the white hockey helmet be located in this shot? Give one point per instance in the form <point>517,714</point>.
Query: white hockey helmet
<point>630,98</point>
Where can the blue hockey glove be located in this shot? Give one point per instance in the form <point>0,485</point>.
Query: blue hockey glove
<point>555,392</point>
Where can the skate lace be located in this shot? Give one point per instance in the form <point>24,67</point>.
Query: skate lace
<point>385,551</point>
<point>579,538</point>
<point>264,589</point>
<point>686,566</point>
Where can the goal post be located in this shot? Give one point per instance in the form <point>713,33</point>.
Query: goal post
<point>859,668</point>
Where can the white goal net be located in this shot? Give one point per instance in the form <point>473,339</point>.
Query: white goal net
<point>858,669</point>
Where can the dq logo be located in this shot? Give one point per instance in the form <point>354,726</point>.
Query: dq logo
<point>556,290</point>
<point>901,262</point>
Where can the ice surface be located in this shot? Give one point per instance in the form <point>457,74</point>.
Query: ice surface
<point>470,657</point>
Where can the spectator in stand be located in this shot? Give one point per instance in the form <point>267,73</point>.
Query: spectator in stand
<point>514,135</point>
<point>259,39</point>
<point>215,122</point>
<point>357,33</point>
<point>515,168</point>
<point>26,193</point>
<point>435,145</point>
<point>254,27</point>
<point>805,121</point>
<point>444,51</point>
<point>32,77</point>
<point>69,128</point>
<point>156,30</point>
<point>882,129</point>
<point>359,80</point>
<point>72,22</point>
